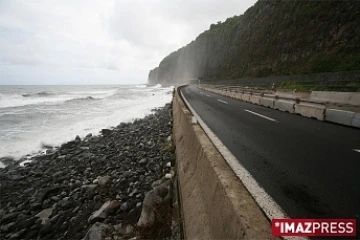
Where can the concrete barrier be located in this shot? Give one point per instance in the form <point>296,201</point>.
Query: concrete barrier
<point>284,105</point>
<point>215,204</point>
<point>255,98</point>
<point>238,95</point>
<point>284,102</point>
<point>246,97</point>
<point>267,101</point>
<point>356,120</point>
<point>284,93</point>
<point>352,98</point>
<point>339,116</point>
<point>311,110</point>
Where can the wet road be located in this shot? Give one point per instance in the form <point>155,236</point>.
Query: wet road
<point>310,168</point>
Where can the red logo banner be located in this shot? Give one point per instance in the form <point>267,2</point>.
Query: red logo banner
<point>314,227</point>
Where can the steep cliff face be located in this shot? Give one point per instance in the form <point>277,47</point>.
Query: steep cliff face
<point>153,76</point>
<point>271,38</point>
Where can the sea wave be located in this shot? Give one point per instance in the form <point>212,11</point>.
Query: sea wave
<point>45,97</point>
<point>39,94</point>
<point>157,86</point>
<point>28,127</point>
<point>18,100</point>
<point>88,98</point>
<point>8,100</point>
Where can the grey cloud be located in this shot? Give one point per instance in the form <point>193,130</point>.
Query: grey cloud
<point>122,38</point>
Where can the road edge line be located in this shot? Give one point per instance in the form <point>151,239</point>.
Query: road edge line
<point>261,197</point>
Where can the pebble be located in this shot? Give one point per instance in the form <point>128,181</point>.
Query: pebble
<point>143,161</point>
<point>103,181</point>
<point>56,196</point>
<point>124,206</point>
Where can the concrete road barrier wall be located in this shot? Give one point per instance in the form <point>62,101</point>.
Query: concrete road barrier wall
<point>255,98</point>
<point>246,97</point>
<point>267,101</point>
<point>284,102</point>
<point>215,204</point>
<point>284,93</point>
<point>284,105</point>
<point>311,110</point>
<point>356,120</point>
<point>352,98</point>
<point>238,95</point>
<point>339,116</point>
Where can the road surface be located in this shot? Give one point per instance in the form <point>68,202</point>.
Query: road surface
<point>310,168</point>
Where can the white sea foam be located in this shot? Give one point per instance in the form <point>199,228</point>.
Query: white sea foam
<point>141,86</point>
<point>23,130</point>
<point>19,100</point>
<point>157,86</point>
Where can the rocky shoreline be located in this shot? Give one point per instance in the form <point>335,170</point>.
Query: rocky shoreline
<point>118,185</point>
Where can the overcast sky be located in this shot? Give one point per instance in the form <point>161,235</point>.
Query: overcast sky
<point>99,41</point>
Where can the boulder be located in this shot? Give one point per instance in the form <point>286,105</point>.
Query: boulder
<point>101,213</point>
<point>44,215</point>
<point>9,217</point>
<point>105,131</point>
<point>98,231</point>
<point>89,187</point>
<point>103,181</point>
<point>155,219</point>
<point>8,227</point>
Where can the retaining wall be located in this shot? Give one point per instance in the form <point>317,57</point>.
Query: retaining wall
<point>215,204</point>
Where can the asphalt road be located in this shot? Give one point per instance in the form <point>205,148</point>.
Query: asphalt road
<point>309,167</point>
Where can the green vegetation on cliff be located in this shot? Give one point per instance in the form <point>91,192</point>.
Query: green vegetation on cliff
<point>271,38</point>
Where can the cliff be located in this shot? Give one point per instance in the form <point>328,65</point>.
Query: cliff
<point>153,76</point>
<point>271,38</point>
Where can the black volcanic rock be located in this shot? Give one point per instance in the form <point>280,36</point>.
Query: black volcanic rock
<point>54,196</point>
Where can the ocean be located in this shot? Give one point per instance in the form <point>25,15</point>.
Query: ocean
<point>32,117</point>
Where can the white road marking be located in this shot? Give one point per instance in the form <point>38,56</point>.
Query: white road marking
<point>201,93</point>
<point>222,101</point>
<point>208,95</point>
<point>356,150</point>
<point>265,201</point>
<point>260,115</point>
